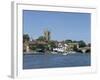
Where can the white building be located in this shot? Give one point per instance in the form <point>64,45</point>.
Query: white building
<point>62,47</point>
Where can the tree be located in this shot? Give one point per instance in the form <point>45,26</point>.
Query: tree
<point>75,41</point>
<point>68,41</point>
<point>81,43</point>
<point>51,44</point>
<point>41,38</point>
<point>40,47</point>
<point>26,37</point>
<point>33,47</point>
<point>89,44</point>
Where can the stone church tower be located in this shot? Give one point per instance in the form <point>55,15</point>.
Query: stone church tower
<point>47,34</point>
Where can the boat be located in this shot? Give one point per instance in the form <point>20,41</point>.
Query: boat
<point>54,52</point>
<point>65,53</point>
<point>71,52</point>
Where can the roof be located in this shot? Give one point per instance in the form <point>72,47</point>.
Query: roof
<point>37,42</point>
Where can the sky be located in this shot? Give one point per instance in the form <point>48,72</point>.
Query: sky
<point>62,25</point>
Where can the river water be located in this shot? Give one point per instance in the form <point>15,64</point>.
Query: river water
<point>31,61</point>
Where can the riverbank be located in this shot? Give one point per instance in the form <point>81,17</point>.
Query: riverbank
<point>47,53</point>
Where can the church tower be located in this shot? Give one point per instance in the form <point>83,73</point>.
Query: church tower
<point>47,34</point>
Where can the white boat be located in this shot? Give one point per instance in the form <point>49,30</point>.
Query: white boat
<point>65,53</point>
<point>71,52</point>
<point>54,52</point>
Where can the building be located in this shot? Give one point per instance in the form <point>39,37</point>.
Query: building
<point>26,46</point>
<point>47,35</point>
<point>73,44</point>
<point>29,45</point>
<point>61,47</point>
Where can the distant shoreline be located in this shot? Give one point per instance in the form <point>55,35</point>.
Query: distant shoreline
<point>44,53</point>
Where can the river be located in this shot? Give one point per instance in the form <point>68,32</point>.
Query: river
<point>31,61</point>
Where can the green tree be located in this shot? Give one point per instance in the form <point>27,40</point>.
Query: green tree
<point>41,38</point>
<point>68,41</point>
<point>26,37</point>
<point>46,47</point>
<point>89,44</point>
<point>51,44</point>
<point>33,47</point>
<point>41,47</point>
<point>81,43</point>
<point>75,41</point>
